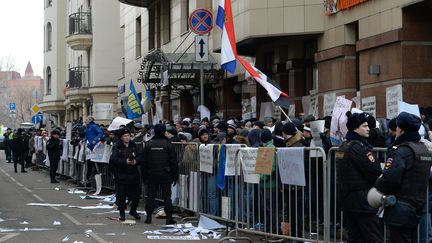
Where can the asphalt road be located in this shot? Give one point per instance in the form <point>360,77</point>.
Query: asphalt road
<point>20,222</point>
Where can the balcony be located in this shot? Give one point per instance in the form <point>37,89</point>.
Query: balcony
<point>139,3</point>
<point>78,77</point>
<point>80,31</point>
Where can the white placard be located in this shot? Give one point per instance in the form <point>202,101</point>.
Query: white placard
<point>292,111</point>
<point>247,157</point>
<point>291,166</point>
<point>267,109</point>
<point>317,127</point>
<point>193,191</point>
<point>103,111</point>
<point>206,158</point>
<point>329,101</point>
<point>65,151</point>
<point>226,207</point>
<point>204,111</point>
<point>69,131</point>
<point>306,100</point>
<point>393,96</point>
<point>338,129</point>
<point>231,151</point>
<point>97,153</point>
<point>313,105</point>
<point>412,109</point>
<point>369,105</point>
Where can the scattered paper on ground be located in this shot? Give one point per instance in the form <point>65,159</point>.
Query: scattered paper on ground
<point>103,206</point>
<point>47,204</point>
<point>207,223</point>
<point>66,238</point>
<point>56,223</point>
<point>24,222</point>
<point>4,230</point>
<point>129,222</point>
<point>172,237</point>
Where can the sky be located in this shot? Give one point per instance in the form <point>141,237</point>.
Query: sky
<point>21,33</point>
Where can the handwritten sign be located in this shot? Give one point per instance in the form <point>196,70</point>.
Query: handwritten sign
<point>317,127</point>
<point>291,166</point>
<point>329,101</point>
<point>231,151</point>
<point>248,158</point>
<point>393,96</point>
<point>206,158</point>
<point>369,105</point>
<point>226,207</point>
<point>264,161</point>
<point>338,129</point>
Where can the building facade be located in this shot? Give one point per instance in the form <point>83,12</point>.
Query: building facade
<point>312,48</point>
<point>83,59</point>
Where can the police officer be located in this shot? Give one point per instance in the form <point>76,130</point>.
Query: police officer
<point>406,176</point>
<point>54,148</point>
<point>357,170</point>
<point>125,159</point>
<point>19,149</point>
<point>160,169</point>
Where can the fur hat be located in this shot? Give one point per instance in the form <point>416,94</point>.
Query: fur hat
<point>123,131</point>
<point>159,130</point>
<point>355,120</point>
<point>266,136</point>
<point>289,128</point>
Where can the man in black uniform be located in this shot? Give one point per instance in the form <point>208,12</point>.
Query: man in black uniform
<point>406,176</point>
<point>125,160</point>
<point>54,148</point>
<point>357,171</point>
<point>160,169</point>
<point>19,149</point>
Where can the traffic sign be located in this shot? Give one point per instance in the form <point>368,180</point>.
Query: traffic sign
<point>37,118</point>
<point>35,108</point>
<point>201,21</point>
<point>12,106</point>
<point>201,48</point>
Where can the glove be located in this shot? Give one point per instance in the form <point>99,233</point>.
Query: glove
<point>174,183</point>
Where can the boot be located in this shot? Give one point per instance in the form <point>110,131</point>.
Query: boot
<point>16,171</point>
<point>134,214</point>
<point>53,180</point>
<point>122,215</point>
<point>170,221</point>
<point>23,171</point>
<point>148,218</point>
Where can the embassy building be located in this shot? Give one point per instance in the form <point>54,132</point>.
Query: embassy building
<point>371,51</point>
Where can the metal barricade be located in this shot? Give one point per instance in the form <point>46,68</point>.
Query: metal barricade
<point>269,208</point>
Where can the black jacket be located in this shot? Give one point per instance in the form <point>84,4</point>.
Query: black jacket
<point>357,171</point>
<point>20,145</point>
<point>125,173</point>
<point>160,164</point>
<point>54,148</point>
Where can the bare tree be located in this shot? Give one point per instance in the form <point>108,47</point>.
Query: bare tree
<point>7,63</point>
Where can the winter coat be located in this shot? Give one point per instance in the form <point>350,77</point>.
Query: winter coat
<point>54,148</point>
<point>124,172</point>
<point>20,145</point>
<point>93,134</point>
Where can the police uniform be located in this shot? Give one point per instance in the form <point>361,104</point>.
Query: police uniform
<point>406,176</point>
<point>357,171</point>
<point>159,169</point>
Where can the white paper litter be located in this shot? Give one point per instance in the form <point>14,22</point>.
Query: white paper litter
<point>78,242</point>
<point>24,222</point>
<point>156,232</point>
<point>209,224</point>
<point>76,192</point>
<point>188,225</point>
<point>88,231</point>
<point>1,220</point>
<point>66,238</point>
<point>93,207</point>
<point>47,204</point>
<point>216,236</point>
<point>56,223</point>
<point>4,230</point>
<point>57,188</point>
<point>110,234</point>
<point>95,224</point>
<point>129,222</point>
<point>172,237</point>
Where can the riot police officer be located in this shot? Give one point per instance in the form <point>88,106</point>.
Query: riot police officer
<point>160,169</point>
<point>357,170</point>
<point>406,176</point>
<point>125,159</point>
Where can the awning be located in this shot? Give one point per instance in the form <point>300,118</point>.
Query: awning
<point>181,68</point>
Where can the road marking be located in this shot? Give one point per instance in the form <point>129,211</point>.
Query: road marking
<point>13,179</point>
<point>38,198</point>
<point>97,238</point>
<point>95,224</point>
<point>76,222</point>
<point>26,188</point>
<point>8,236</point>
<point>19,184</point>
<point>55,208</point>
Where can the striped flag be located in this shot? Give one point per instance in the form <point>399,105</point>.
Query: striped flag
<point>273,90</point>
<point>134,108</point>
<point>225,22</point>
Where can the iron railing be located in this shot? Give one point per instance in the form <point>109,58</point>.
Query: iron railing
<point>78,77</point>
<point>80,23</point>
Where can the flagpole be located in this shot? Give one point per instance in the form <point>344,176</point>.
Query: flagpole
<point>280,108</point>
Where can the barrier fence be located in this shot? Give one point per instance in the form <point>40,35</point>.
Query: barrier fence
<point>297,199</point>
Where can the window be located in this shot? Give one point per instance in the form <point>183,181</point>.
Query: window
<point>48,37</point>
<point>184,8</point>
<point>165,19</point>
<point>48,81</point>
<point>48,3</point>
<point>159,24</point>
<point>138,37</point>
<point>152,28</point>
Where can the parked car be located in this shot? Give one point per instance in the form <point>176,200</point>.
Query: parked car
<point>2,138</point>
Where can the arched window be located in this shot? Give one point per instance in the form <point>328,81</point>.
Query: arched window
<point>49,36</point>
<point>48,80</point>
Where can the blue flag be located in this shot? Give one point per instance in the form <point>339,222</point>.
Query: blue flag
<point>220,177</point>
<point>134,108</point>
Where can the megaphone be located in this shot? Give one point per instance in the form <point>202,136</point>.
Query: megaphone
<point>377,199</point>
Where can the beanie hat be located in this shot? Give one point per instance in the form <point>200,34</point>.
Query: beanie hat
<point>259,124</point>
<point>289,128</point>
<point>55,131</point>
<point>185,123</point>
<point>123,131</point>
<point>159,130</point>
<point>408,122</point>
<point>266,136</point>
<point>309,118</point>
<point>202,131</point>
<point>196,121</point>
<point>173,131</point>
<point>232,126</point>
<point>371,121</point>
<point>355,120</point>
<point>244,133</point>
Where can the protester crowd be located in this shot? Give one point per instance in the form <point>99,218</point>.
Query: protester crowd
<point>155,163</point>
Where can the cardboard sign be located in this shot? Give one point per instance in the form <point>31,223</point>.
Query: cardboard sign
<point>248,158</point>
<point>264,161</point>
<point>369,105</point>
<point>329,101</point>
<point>338,129</point>
<point>231,163</point>
<point>206,158</point>
<point>291,166</point>
<point>393,96</point>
